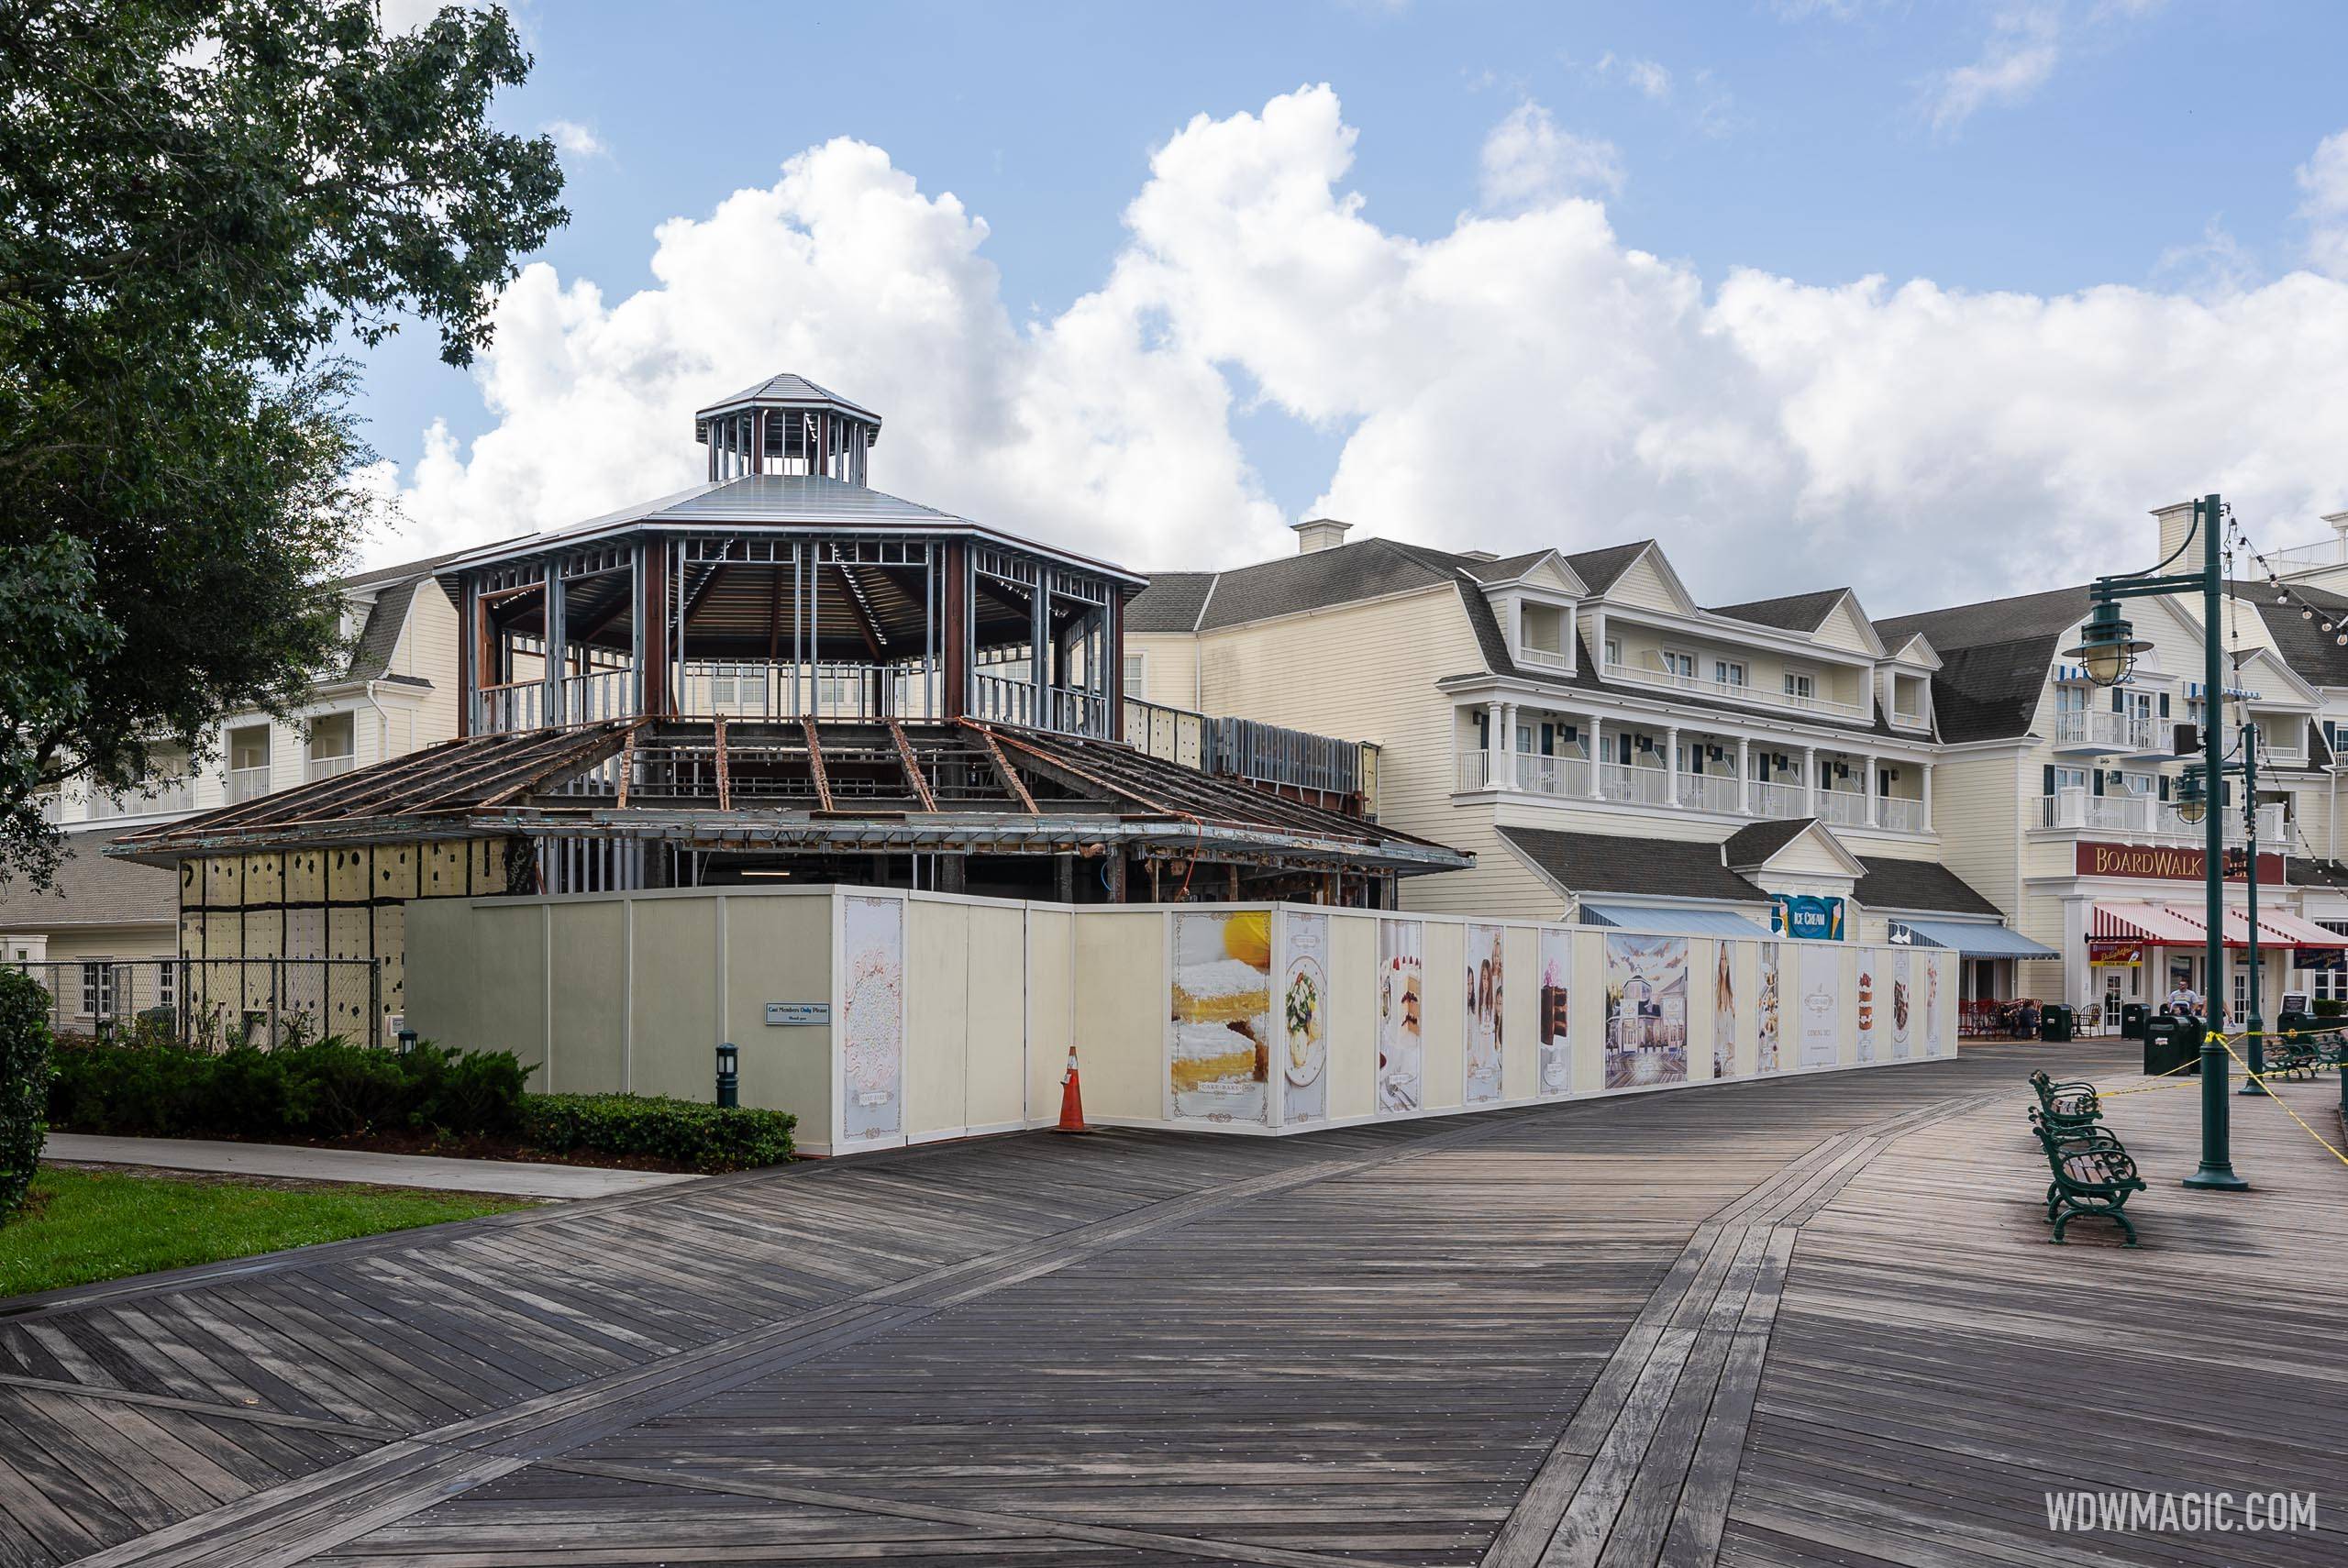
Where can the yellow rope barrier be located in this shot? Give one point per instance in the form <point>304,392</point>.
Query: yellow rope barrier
<point>2261,1079</point>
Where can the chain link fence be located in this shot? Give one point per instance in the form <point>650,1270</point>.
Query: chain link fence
<point>215,1003</point>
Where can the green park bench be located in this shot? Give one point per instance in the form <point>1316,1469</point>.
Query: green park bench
<point>2093,1175</point>
<point>2066,1104</point>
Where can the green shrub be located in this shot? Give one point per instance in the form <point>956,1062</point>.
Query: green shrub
<point>24,1083</point>
<point>2330,1007</point>
<point>323,1088</point>
<point>678,1132</point>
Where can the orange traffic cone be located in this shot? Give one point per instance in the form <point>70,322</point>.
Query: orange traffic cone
<point>1071,1098</point>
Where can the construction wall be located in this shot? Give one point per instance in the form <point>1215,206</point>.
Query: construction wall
<point>237,911</point>
<point>881,1018</point>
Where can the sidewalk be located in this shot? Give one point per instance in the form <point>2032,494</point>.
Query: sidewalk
<point>509,1177</point>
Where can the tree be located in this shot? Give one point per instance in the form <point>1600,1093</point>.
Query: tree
<point>199,199</point>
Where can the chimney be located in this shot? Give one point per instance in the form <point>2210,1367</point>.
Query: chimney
<point>1319,534</point>
<point>2176,526</point>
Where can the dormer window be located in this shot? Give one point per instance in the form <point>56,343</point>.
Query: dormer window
<point>1682,665</point>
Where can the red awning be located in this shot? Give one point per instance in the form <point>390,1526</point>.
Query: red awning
<point>2284,929</point>
<point>2153,925</point>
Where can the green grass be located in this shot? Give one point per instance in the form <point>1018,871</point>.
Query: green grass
<point>80,1226</point>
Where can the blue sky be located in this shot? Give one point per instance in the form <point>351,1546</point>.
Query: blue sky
<point>2042,148</point>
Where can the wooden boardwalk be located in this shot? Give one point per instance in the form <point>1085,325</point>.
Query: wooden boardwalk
<point>1803,1322</point>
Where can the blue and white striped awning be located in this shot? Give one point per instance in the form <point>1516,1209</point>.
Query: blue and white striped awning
<point>1672,921</point>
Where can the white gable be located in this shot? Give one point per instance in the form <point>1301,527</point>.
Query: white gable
<point>1650,583</point>
<point>1845,627</point>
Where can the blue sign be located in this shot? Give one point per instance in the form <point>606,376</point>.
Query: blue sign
<point>1809,917</point>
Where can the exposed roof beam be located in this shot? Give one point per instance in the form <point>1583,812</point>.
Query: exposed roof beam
<point>1003,770</point>
<point>815,765</point>
<point>912,766</point>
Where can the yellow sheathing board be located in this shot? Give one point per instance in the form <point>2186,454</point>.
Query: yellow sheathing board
<point>674,1001</point>
<point>224,881</point>
<point>346,880</point>
<point>395,871</point>
<point>1122,1005</point>
<point>305,876</point>
<point>589,985</point>
<point>779,948</point>
<point>391,950</point>
<point>264,880</point>
<point>937,993</point>
<point>443,870</point>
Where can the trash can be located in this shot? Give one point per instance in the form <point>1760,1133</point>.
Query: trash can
<point>2132,1016</point>
<point>2172,1041</point>
<point>2054,1023</point>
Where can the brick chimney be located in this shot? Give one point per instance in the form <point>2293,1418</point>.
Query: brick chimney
<point>1319,534</point>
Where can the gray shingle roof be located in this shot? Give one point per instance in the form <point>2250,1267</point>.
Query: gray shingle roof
<point>1991,621</point>
<point>94,889</point>
<point>789,389</point>
<point>1171,604</point>
<point>1919,884</point>
<point>1597,863</point>
<point>1790,612</point>
<point>1752,845</point>
<point>1600,568</point>
<point>2312,652</point>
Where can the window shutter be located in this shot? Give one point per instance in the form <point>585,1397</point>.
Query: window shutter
<point>2048,789</point>
<point>2095,779</point>
<point>1483,731</point>
<point>2117,706</point>
<point>1548,747</point>
<point>2163,704</point>
<point>2163,779</point>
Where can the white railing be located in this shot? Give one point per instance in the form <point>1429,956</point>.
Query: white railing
<point>1710,792</point>
<point>1899,814</point>
<point>1544,659</point>
<point>171,795</point>
<point>2103,730</point>
<point>247,784</point>
<point>1912,721</point>
<point>1633,786</point>
<point>1780,800</point>
<point>1731,692</point>
<point>1004,701</point>
<point>1474,770</point>
<point>1844,808</point>
<point>2305,557</point>
<point>2075,809</point>
<point>331,767</point>
<point>1560,776</point>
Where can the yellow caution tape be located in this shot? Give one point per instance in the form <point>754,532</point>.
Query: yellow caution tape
<point>2260,1078</point>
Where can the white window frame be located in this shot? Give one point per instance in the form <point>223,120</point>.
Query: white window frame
<point>1611,652</point>
<point>1802,683</point>
<point>167,972</point>
<point>2070,698</point>
<point>1134,676</point>
<point>2328,984</point>
<point>1672,660</point>
<point>2072,779</point>
<point>1729,671</point>
<point>97,988</point>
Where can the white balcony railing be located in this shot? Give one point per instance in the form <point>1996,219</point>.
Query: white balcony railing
<point>1710,792</point>
<point>1544,658</point>
<point>1562,776</point>
<point>1844,808</point>
<point>1633,786</point>
<point>2103,730</point>
<point>248,784</point>
<point>2075,809</point>
<point>1900,814</point>
<point>1734,691</point>
<point>1781,801</point>
<point>331,767</point>
<point>170,795</point>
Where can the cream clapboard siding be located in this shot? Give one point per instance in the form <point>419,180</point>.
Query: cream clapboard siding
<point>1170,668</point>
<point>427,649</point>
<point>1842,628</point>
<point>1977,808</point>
<point>1644,583</point>
<point>1367,672</point>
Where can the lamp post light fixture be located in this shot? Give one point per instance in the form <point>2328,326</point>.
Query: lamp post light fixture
<point>2107,647</point>
<point>2192,804</point>
<point>729,1073</point>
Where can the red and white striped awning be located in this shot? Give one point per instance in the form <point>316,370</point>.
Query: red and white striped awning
<point>2155,925</point>
<point>2184,925</point>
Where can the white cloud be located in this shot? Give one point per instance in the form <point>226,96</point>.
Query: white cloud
<point>1518,380</point>
<point>2024,46</point>
<point>1528,160</point>
<point>2323,188</point>
<point>1649,76</point>
<point>580,141</point>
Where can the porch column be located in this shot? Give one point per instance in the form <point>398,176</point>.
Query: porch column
<point>1874,813</point>
<point>1495,747</point>
<point>1508,749</point>
<point>1810,780</point>
<point>1744,773</point>
<point>1927,797</point>
<point>1671,764</point>
<point>1597,752</point>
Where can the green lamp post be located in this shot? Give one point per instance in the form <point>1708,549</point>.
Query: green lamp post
<point>2108,649</point>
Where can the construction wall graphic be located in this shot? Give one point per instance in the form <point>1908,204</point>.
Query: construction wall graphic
<point>1483,1042</point>
<point>1305,1003</point>
<point>1219,1066</point>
